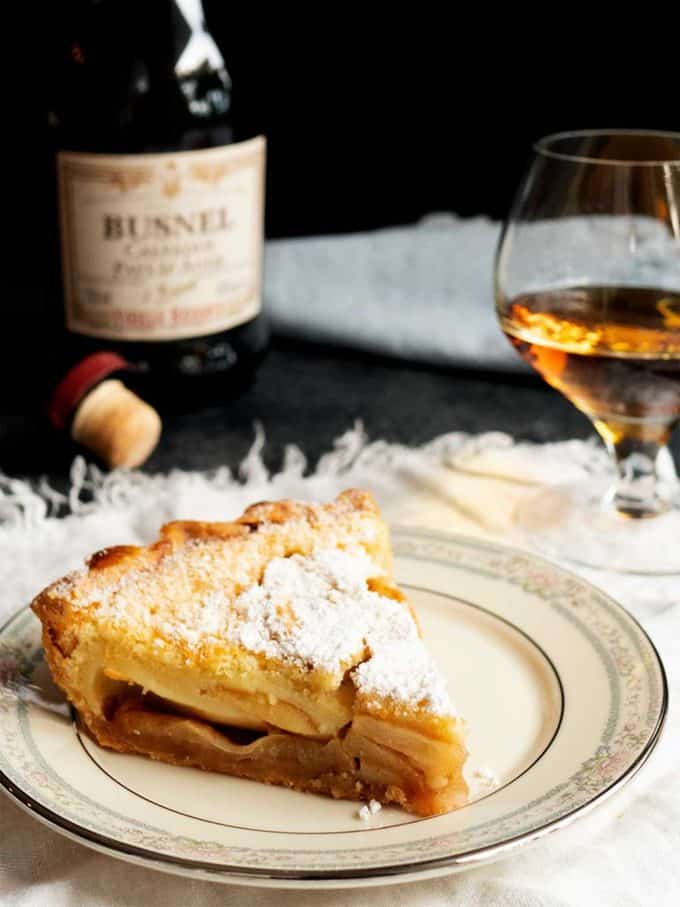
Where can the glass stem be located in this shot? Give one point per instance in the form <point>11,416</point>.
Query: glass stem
<point>646,481</point>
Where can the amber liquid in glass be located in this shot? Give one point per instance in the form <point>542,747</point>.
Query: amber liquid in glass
<point>613,351</point>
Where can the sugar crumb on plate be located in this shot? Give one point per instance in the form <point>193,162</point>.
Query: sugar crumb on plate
<point>369,809</point>
<point>481,781</point>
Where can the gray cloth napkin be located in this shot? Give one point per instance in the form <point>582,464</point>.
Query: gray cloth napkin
<point>423,292</point>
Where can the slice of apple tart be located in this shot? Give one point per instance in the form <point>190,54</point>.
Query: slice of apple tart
<point>275,647</point>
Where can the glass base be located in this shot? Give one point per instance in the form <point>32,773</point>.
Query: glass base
<point>578,523</point>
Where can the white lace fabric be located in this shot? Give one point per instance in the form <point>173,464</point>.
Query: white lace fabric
<point>625,854</point>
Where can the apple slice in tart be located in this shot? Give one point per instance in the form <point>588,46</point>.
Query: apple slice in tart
<point>276,647</point>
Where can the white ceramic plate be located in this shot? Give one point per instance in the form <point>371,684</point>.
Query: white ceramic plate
<point>563,692</point>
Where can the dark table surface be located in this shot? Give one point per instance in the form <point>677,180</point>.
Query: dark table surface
<point>309,395</point>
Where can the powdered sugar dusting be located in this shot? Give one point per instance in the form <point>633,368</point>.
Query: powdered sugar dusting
<point>317,611</point>
<point>66,584</point>
<point>403,671</point>
<point>320,612</point>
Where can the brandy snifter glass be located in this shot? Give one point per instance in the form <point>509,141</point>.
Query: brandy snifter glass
<point>587,285</point>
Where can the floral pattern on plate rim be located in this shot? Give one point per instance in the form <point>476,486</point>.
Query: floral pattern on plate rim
<point>627,736</point>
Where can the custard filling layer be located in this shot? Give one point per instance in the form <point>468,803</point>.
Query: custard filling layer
<point>383,752</point>
<point>268,701</point>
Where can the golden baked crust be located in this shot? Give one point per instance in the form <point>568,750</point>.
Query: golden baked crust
<point>138,643</point>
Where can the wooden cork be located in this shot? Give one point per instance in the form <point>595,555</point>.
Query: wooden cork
<point>116,425</point>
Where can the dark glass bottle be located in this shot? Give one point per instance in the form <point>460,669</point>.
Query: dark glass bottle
<point>160,198</point>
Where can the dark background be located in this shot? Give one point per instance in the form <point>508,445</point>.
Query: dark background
<point>375,119</point>
<point>374,116</point>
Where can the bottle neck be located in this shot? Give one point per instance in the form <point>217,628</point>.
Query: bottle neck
<point>177,49</point>
<point>199,65</point>
<point>148,73</point>
<point>200,50</point>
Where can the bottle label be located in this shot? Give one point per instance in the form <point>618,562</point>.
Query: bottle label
<point>162,246</point>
